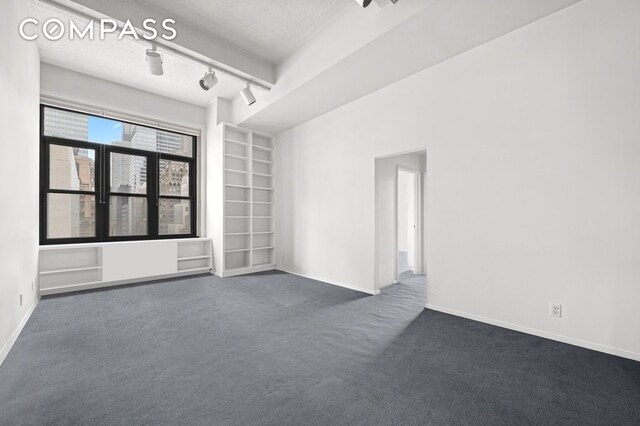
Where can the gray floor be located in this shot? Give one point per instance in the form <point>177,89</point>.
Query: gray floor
<point>279,349</point>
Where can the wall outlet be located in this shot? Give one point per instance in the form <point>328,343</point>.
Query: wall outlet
<point>555,310</point>
<point>20,299</point>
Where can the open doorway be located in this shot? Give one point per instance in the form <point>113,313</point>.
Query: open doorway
<point>408,203</point>
<point>400,219</point>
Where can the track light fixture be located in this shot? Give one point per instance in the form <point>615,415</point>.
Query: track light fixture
<point>154,61</point>
<point>209,80</point>
<point>247,95</point>
<point>363,3</point>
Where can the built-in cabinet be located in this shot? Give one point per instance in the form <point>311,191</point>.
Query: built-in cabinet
<point>244,232</point>
<point>72,267</point>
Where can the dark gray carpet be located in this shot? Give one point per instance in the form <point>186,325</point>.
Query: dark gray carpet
<point>283,350</point>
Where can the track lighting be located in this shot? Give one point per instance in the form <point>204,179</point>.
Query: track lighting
<point>209,80</point>
<point>363,3</point>
<point>154,61</point>
<point>247,95</point>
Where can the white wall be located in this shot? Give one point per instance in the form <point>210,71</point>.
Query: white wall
<point>533,181</point>
<point>19,135</point>
<point>385,212</point>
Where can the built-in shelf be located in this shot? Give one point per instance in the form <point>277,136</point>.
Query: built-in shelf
<point>65,270</point>
<point>74,267</point>
<point>263,161</point>
<point>182,259</point>
<point>239,157</point>
<point>247,175</point>
<point>235,141</point>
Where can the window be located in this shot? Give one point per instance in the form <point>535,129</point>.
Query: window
<point>109,180</point>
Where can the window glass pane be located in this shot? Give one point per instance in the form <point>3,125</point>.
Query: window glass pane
<point>127,216</point>
<point>174,178</point>
<point>128,173</point>
<point>71,216</point>
<point>82,127</point>
<point>175,216</point>
<point>71,168</point>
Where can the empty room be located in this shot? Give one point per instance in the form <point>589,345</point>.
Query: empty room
<point>330,212</point>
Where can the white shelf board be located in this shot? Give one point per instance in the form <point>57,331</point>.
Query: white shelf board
<point>242,172</point>
<point>262,202</point>
<point>237,186</point>
<point>263,232</point>
<point>65,270</point>
<point>238,233</point>
<point>236,141</point>
<point>263,248</point>
<point>263,148</point>
<point>262,188</point>
<point>180,259</point>
<point>260,265</point>
<point>263,161</point>
<point>237,156</point>
<point>236,250</point>
<point>263,175</point>
<point>237,201</point>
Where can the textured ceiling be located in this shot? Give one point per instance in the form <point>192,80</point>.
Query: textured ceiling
<point>123,61</point>
<point>268,29</point>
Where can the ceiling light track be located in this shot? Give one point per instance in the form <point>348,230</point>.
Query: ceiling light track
<point>165,47</point>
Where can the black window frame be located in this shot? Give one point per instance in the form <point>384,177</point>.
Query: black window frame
<point>102,185</point>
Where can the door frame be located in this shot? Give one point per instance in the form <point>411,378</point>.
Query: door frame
<point>418,217</point>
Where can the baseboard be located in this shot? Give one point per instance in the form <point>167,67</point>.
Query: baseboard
<point>14,336</point>
<point>245,271</point>
<point>551,336</point>
<point>347,286</point>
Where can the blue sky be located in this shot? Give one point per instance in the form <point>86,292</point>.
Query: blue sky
<point>103,130</point>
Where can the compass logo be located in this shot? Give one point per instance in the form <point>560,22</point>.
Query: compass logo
<point>54,29</point>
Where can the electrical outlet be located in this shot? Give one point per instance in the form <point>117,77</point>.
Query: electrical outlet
<point>555,310</point>
<point>20,299</point>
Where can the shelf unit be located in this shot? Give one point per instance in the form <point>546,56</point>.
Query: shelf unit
<point>194,255</point>
<point>73,267</point>
<point>245,241</point>
<point>70,267</point>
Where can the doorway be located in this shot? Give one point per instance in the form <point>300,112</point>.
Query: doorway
<point>408,203</point>
<point>400,222</point>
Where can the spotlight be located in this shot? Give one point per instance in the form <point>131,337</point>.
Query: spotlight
<point>363,3</point>
<point>247,95</point>
<point>154,61</point>
<point>209,80</point>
